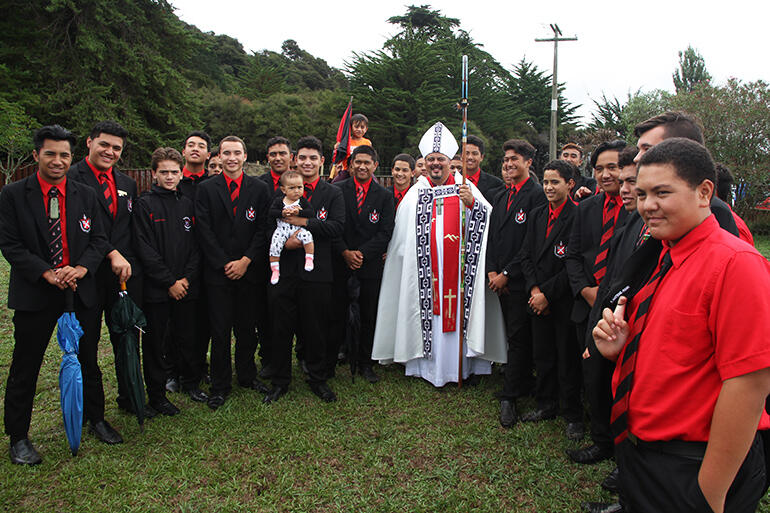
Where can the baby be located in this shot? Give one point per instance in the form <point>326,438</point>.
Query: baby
<point>291,204</point>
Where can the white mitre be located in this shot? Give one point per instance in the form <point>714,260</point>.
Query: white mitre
<point>438,139</point>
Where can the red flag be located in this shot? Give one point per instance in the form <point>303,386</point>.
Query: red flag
<point>343,136</point>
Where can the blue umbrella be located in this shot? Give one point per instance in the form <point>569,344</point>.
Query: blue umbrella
<point>68,333</point>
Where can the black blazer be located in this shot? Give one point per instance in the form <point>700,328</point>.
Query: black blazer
<point>327,225</point>
<point>165,238</point>
<point>24,242</point>
<point>224,237</point>
<point>583,247</point>
<point>507,229</point>
<point>368,232</point>
<point>118,229</point>
<point>490,186</point>
<point>189,185</point>
<point>267,178</point>
<point>542,259</point>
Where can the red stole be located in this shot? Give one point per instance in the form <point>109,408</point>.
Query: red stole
<point>451,260</point>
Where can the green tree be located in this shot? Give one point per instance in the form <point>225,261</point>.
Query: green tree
<point>15,138</point>
<point>691,71</point>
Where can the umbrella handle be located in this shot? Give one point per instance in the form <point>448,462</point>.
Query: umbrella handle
<point>122,286</point>
<point>69,300</point>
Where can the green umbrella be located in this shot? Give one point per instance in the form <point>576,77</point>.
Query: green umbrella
<point>127,321</point>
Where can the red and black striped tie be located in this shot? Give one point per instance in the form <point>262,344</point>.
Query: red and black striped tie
<point>234,195</point>
<point>643,298</point>
<point>55,247</point>
<point>105,183</point>
<point>360,196</point>
<point>511,194</point>
<point>608,228</point>
<point>551,221</point>
<point>308,191</point>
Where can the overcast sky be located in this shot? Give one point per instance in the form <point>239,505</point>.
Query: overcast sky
<point>621,47</point>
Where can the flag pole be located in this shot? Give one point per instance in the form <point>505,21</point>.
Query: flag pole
<point>463,106</point>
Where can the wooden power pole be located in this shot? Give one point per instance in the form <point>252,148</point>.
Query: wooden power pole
<point>555,83</point>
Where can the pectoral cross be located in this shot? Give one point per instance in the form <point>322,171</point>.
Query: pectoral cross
<point>450,297</point>
<point>53,208</point>
<point>439,204</point>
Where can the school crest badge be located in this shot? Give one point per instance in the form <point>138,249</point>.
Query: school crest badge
<point>85,223</point>
<point>521,216</point>
<point>560,249</point>
<point>187,223</point>
<point>251,214</point>
<point>322,214</point>
<point>374,217</point>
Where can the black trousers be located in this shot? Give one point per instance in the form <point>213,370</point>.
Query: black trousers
<point>300,307</point>
<point>232,308</point>
<point>557,363</point>
<point>597,377</point>
<point>663,476</point>
<point>107,287</point>
<point>179,318</point>
<point>264,322</point>
<point>173,361</point>
<point>517,380</point>
<point>32,333</point>
<point>367,301</point>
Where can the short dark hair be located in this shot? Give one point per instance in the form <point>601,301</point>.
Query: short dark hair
<point>288,174</point>
<point>199,133</point>
<point>477,142</point>
<point>521,147</point>
<point>54,133</point>
<point>366,150</point>
<point>277,140</point>
<point>359,118</point>
<point>161,154</point>
<point>616,145</point>
<point>311,142</point>
<point>233,138</point>
<point>109,127</point>
<point>691,161</point>
<point>404,157</point>
<point>676,123</point>
<point>214,152</point>
<point>725,182</point>
<point>567,170</point>
<point>572,145</point>
<point>627,156</point>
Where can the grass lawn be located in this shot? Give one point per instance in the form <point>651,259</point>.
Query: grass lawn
<point>398,446</point>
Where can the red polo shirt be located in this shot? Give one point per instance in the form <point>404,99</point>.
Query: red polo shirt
<point>46,187</point>
<point>475,177</point>
<point>276,179</point>
<point>708,322</point>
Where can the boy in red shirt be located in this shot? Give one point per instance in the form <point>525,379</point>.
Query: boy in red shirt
<point>693,368</point>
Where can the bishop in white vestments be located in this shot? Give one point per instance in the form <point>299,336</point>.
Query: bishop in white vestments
<point>424,313</point>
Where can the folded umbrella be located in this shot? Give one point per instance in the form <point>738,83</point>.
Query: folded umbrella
<point>353,332</point>
<point>127,321</point>
<point>68,333</point>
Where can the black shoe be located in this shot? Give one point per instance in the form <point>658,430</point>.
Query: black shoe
<point>507,413</point>
<point>216,400</point>
<point>602,507</point>
<point>24,453</point>
<point>368,373</point>
<point>611,483</point>
<point>276,393</point>
<point>127,407</point>
<point>105,433</point>
<point>323,391</point>
<point>590,455</point>
<point>165,407</point>
<point>172,385</point>
<point>539,414</point>
<point>575,430</point>
<point>198,395</point>
<point>472,380</point>
<point>258,386</point>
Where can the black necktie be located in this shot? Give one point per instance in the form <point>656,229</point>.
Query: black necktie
<point>234,195</point>
<point>55,246</point>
